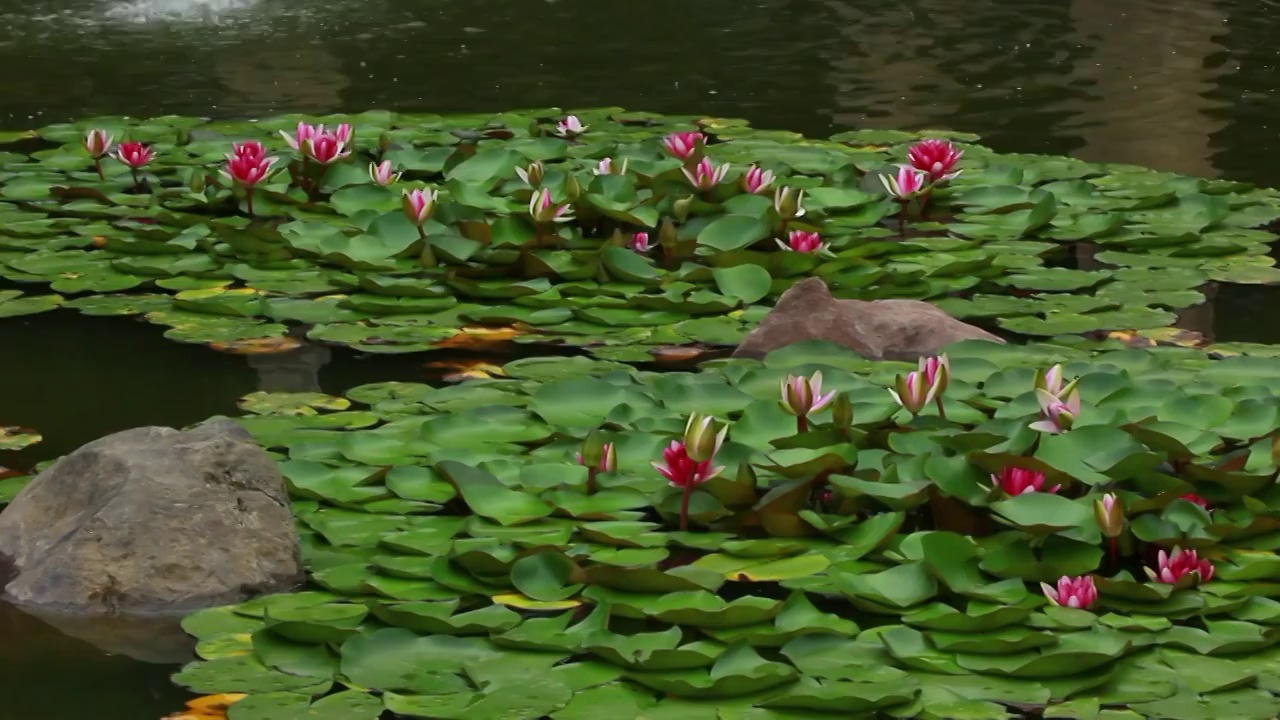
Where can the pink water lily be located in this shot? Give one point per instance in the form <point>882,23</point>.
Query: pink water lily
<point>541,209</point>
<point>913,392</point>
<point>97,143</point>
<point>1072,592</point>
<point>1051,380</point>
<point>906,184</point>
<point>345,134</point>
<point>1172,568</point>
<point>1057,414</point>
<point>418,205</point>
<point>756,181</point>
<point>570,127</point>
<point>802,397</point>
<point>680,466</point>
<point>325,148</point>
<point>705,175</point>
<point>381,173</point>
<point>936,158</point>
<point>133,154</point>
<point>683,145</point>
<point>639,242</point>
<point>804,242</point>
<point>300,135</point>
<point>247,166</point>
<point>1014,481</point>
<point>606,167</point>
<point>1109,514</point>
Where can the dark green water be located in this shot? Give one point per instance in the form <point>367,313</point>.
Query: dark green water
<point>1188,87</point>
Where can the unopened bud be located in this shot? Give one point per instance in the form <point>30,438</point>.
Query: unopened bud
<point>680,209</point>
<point>667,234</point>
<point>842,410</point>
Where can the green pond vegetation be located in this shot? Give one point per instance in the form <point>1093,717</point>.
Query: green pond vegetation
<point>859,560</point>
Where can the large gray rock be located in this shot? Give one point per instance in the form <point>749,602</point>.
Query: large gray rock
<point>877,329</point>
<point>152,520</point>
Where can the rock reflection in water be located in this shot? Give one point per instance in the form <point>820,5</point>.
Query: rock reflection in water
<point>59,674</point>
<point>157,639</point>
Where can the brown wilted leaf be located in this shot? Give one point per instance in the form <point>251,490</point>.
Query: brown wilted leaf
<point>679,353</point>
<point>1180,337</point>
<point>1131,339</point>
<point>258,346</point>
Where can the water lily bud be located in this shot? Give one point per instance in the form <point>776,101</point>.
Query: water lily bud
<point>667,235</point>
<point>572,190</point>
<point>842,410</point>
<point>786,202</point>
<point>680,208</point>
<point>196,182</point>
<point>532,175</point>
<point>593,449</point>
<point>701,440</point>
<point>1110,515</point>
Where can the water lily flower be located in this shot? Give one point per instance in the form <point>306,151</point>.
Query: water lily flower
<point>247,166</point>
<point>786,202</point>
<point>1058,412</point>
<point>756,181</point>
<point>570,127</point>
<point>913,392</point>
<point>1051,380</point>
<point>1072,592</point>
<point>1192,497</point>
<point>542,210</point>
<point>804,242</point>
<point>1173,567</point>
<point>802,397</point>
<point>681,465</point>
<point>1110,515</point>
<point>418,205</point>
<point>936,158</point>
<point>1014,481</point>
<point>608,458</point>
<point>683,471</point>
<point>701,438</point>
<point>301,134</point>
<point>133,154</point>
<point>906,184</point>
<point>325,148</point>
<point>605,167</point>
<point>344,133</point>
<point>97,143</point>
<point>639,242</point>
<point>532,175</point>
<point>381,173</point>
<point>683,145</point>
<point>705,175</point>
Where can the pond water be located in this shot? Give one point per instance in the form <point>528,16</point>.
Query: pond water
<point>1187,87</point>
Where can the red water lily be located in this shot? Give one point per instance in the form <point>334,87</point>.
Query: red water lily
<point>1173,567</point>
<point>1072,592</point>
<point>1016,481</point>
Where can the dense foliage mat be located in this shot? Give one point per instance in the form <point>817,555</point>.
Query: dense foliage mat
<point>1033,245</point>
<point>878,567</point>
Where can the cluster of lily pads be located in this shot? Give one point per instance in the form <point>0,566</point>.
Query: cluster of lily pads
<point>1037,532</point>
<point>614,231</point>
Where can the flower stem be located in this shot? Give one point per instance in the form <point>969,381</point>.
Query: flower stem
<point>97,165</point>
<point>134,171</point>
<point>248,200</point>
<point>941,411</point>
<point>684,507</point>
<point>924,204</point>
<point>591,480</point>
<point>802,424</point>
<point>1113,549</point>
<point>902,221</point>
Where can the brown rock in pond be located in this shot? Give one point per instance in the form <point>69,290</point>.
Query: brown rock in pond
<point>877,329</point>
<point>152,520</point>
